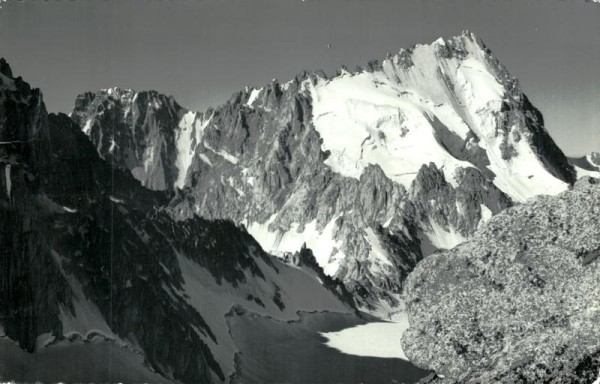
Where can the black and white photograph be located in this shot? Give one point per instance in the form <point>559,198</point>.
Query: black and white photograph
<point>300,191</point>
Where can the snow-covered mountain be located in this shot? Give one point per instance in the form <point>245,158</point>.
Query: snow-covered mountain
<point>372,169</point>
<point>91,264</point>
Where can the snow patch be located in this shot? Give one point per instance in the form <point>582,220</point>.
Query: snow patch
<point>188,137</point>
<point>584,172</point>
<point>87,128</point>
<point>232,159</point>
<point>443,238</point>
<point>205,158</point>
<point>253,95</point>
<point>185,148</point>
<point>377,255</point>
<point>373,339</point>
<point>233,185</point>
<point>440,41</point>
<point>247,179</point>
<point>115,200</point>
<point>486,214</point>
<point>322,243</point>
<point>113,145</point>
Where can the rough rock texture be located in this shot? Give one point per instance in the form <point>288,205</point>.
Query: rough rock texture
<point>90,255</point>
<point>142,136</point>
<point>519,302</point>
<point>372,170</point>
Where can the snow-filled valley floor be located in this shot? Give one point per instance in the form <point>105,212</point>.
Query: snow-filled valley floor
<point>74,362</point>
<point>299,351</point>
<point>381,339</point>
<point>319,347</point>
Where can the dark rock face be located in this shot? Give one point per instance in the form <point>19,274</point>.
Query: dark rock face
<point>142,134</point>
<point>554,159</point>
<point>47,246</point>
<point>432,198</point>
<point>518,303</point>
<point>87,252</point>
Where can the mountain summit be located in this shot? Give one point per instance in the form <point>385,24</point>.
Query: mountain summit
<point>371,169</point>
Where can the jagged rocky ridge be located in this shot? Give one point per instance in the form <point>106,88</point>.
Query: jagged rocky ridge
<point>372,169</point>
<point>90,256</point>
<point>518,303</point>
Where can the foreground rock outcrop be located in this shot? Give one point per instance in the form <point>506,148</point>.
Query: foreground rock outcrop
<point>520,302</point>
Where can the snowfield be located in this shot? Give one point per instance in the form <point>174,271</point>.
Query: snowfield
<point>390,117</point>
<point>301,291</point>
<point>373,339</point>
<point>322,243</point>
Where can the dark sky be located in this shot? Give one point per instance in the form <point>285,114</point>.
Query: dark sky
<point>201,51</point>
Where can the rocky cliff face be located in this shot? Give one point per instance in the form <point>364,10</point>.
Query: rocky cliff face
<point>372,169</point>
<point>90,256</point>
<point>518,303</point>
<point>138,131</point>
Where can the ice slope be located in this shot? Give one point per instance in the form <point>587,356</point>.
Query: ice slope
<point>390,115</point>
<point>322,243</point>
<point>364,120</point>
<point>187,137</point>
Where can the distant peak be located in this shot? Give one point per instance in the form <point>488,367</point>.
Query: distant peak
<point>117,92</point>
<point>5,68</point>
<point>469,35</point>
<point>440,41</point>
